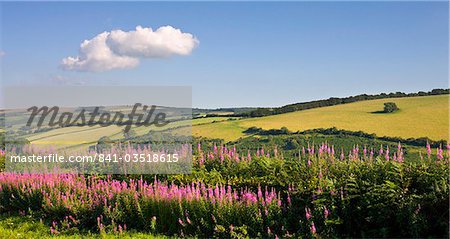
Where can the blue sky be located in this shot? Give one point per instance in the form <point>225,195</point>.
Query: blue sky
<point>249,53</point>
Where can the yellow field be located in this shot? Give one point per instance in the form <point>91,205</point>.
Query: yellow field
<point>144,130</point>
<point>64,137</point>
<point>418,117</point>
<point>227,130</point>
<point>74,135</point>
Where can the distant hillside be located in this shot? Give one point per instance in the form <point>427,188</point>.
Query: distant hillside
<point>336,101</point>
<point>197,112</point>
<point>418,117</point>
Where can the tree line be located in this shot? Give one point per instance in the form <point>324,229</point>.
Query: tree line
<point>341,132</point>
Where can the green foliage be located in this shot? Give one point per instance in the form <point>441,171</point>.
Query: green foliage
<point>292,145</point>
<point>353,197</point>
<point>104,143</point>
<point>129,134</point>
<point>360,137</point>
<point>390,107</point>
<point>27,227</point>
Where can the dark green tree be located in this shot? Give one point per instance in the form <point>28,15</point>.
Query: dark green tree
<point>390,107</point>
<point>104,143</point>
<point>130,134</point>
<point>292,144</point>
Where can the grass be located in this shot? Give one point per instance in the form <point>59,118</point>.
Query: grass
<point>144,130</point>
<point>227,130</point>
<point>70,136</point>
<point>74,135</point>
<point>418,117</point>
<point>12,227</point>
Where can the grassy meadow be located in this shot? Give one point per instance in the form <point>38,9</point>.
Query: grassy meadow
<point>27,227</point>
<point>63,137</point>
<point>364,116</point>
<point>418,117</point>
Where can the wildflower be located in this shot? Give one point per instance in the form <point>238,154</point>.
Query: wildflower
<point>53,231</point>
<point>181,222</point>
<point>307,213</point>
<point>439,153</point>
<point>428,149</point>
<point>387,153</point>
<point>418,209</point>
<point>313,229</point>
<point>326,213</point>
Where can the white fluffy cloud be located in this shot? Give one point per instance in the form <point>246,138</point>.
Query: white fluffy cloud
<point>144,42</point>
<point>95,55</point>
<point>121,50</point>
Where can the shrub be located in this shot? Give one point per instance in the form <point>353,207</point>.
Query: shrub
<point>390,107</point>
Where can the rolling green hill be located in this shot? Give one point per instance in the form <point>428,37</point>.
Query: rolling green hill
<point>418,117</point>
<point>69,136</point>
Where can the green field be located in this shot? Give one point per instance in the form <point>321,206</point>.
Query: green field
<point>85,135</point>
<point>418,117</point>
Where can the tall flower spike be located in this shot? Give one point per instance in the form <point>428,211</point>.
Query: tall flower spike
<point>307,213</point>
<point>313,229</point>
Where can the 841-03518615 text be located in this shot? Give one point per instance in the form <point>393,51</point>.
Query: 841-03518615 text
<point>96,158</point>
